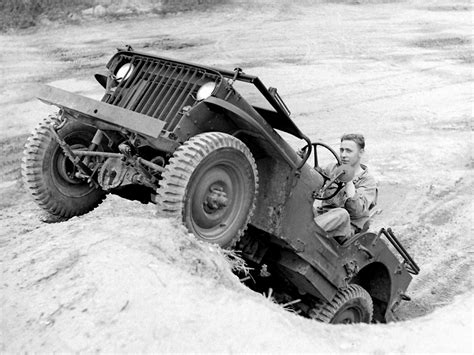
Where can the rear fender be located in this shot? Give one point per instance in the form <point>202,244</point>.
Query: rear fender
<point>376,280</point>
<point>383,276</point>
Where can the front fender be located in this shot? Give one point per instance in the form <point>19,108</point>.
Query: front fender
<point>255,126</point>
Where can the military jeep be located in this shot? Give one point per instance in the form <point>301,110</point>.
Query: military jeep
<point>179,135</point>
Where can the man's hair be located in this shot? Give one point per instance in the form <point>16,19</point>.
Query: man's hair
<point>357,138</point>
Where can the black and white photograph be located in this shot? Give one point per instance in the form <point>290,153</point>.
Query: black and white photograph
<point>236,176</point>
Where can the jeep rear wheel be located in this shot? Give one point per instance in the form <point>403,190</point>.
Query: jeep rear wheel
<point>50,176</point>
<point>210,184</point>
<point>350,305</point>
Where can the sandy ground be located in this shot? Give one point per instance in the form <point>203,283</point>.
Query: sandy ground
<point>123,279</point>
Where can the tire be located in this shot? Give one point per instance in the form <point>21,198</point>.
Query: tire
<point>48,173</point>
<point>210,184</point>
<point>350,305</point>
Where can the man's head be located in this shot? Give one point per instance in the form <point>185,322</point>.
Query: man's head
<point>352,149</point>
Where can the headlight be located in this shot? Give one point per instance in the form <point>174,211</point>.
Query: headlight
<point>124,72</point>
<point>205,91</point>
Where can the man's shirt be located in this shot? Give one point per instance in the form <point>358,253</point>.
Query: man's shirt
<point>358,205</point>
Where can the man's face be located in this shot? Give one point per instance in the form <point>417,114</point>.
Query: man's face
<point>350,153</point>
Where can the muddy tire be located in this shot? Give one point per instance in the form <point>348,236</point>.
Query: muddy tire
<point>350,305</point>
<point>49,175</point>
<point>210,184</point>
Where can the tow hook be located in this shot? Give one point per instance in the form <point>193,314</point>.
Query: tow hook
<point>399,269</point>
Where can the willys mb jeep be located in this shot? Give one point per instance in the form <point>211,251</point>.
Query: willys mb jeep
<point>179,135</point>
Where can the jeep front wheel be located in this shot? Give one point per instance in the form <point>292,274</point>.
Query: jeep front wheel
<point>51,177</point>
<point>210,184</point>
<point>350,305</point>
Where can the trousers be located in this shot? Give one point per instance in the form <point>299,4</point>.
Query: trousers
<point>336,222</point>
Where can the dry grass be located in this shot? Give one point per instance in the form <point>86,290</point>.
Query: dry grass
<point>27,13</point>
<point>19,14</point>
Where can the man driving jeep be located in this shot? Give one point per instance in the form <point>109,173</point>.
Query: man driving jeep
<point>348,211</point>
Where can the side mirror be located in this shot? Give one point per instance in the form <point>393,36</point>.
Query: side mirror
<point>102,79</point>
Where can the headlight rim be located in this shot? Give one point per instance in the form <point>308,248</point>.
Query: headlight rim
<point>206,90</point>
<point>127,72</point>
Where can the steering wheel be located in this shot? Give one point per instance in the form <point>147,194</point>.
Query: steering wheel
<point>331,184</point>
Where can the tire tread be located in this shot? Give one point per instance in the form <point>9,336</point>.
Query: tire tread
<point>325,311</point>
<point>171,194</point>
<point>32,174</point>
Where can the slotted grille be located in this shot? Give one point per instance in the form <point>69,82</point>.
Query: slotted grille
<point>160,88</point>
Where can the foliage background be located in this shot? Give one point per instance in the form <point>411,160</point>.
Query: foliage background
<point>20,14</point>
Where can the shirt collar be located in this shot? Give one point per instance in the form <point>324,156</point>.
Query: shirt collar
<point>365,170</point>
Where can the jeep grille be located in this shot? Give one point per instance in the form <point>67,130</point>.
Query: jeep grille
<point>159,88</point>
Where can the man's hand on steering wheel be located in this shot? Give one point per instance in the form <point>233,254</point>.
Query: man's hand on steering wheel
<point>341,176</point>
<point>333,183</point>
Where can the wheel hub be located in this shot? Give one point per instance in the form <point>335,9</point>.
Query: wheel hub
<point>215,200</point>
<point>67,170</point>
<point>348,316</point>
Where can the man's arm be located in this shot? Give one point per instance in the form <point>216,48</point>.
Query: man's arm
<point>360,197</point>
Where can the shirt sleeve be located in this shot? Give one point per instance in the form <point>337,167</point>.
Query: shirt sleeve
<point>366,192</point>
